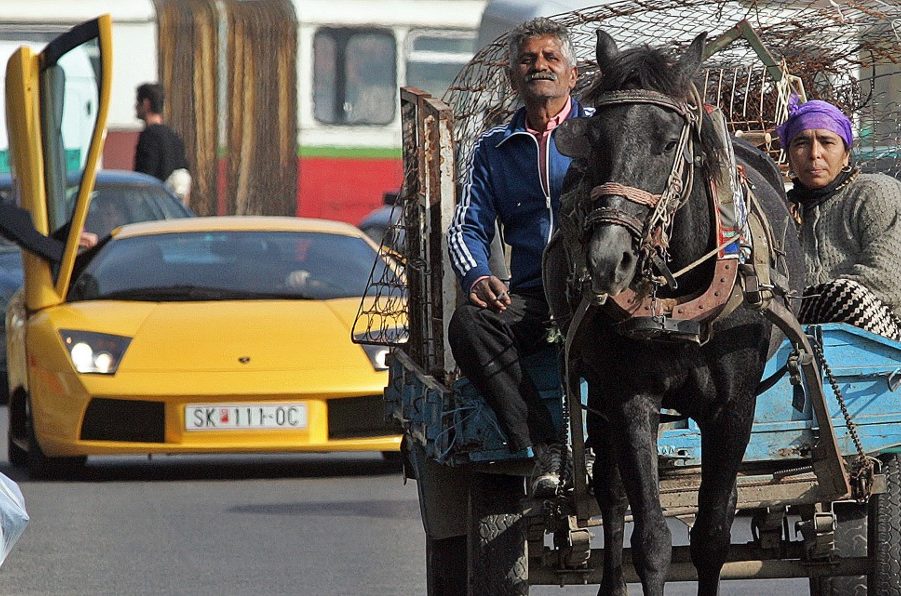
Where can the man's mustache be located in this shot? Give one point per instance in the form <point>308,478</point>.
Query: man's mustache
<point>541,76</point>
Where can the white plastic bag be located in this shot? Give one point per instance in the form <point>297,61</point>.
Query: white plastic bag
<point>13,517</point>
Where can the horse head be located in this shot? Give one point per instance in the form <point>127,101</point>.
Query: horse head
<point>636,157</point>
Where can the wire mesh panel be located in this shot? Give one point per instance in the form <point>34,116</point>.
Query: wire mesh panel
<point>421,291</point>
<point>848,53</point>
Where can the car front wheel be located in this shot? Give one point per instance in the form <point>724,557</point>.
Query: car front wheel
<point>15,433</point>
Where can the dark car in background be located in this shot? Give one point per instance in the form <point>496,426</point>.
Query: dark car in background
<point>385,220</point>
<point>119,197</point>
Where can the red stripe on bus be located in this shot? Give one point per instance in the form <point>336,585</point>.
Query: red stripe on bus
<point>341,188</point>
<point>345,189</point>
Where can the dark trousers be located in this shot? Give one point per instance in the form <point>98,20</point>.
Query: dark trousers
<point>488,345</point>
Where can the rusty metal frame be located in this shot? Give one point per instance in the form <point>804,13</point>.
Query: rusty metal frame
<point>746,561</point>
<point>430,195</point>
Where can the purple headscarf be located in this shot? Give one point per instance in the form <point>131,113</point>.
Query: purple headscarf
<point>811,115</point>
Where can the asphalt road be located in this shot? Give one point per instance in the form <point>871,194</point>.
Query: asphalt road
<point>338,524</point>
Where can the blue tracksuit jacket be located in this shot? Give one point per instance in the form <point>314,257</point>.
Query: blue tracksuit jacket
<point>503,183</point>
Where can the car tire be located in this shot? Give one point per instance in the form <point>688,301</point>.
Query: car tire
<point>41,467</point>
<point>850,541</point>
<point>15,430</point>
<point>4,388</point>
<point>393,457</point>
<point>885,532</point>
<point>496,547</point>
<point>16,455</point>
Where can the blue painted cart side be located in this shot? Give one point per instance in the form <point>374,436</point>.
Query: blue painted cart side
<point>866,367</point>
<point>456,426</point>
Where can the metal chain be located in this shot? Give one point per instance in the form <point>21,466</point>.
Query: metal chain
<point>564,417</point>
<point>852,428</point>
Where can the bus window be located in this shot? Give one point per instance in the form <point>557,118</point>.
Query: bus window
<point>354,76</point>
<point>435,57</point>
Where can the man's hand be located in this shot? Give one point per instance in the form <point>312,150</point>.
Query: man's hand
<point>87,240</point>
<point>490,292</point>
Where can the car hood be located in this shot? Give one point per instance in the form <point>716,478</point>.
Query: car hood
<point>249,335</point>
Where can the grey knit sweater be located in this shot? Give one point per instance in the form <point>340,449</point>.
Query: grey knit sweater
<point>856,234</point>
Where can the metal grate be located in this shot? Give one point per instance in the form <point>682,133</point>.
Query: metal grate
<point>132,421</point>
<point>419,295</point>
<point>848,53</point>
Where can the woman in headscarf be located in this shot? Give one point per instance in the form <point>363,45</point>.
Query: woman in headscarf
<point>850,224</point>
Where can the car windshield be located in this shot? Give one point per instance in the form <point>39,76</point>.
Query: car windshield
<point>113,206</point>
<point>228,265</point>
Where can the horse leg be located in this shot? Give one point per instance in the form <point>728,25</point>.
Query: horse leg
<point>611,498</point>
<point>652,547</point>
<point>723,444</point>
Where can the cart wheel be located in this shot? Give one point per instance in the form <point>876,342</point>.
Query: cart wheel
<point>497,554</point>
<point>850,541</point>
<point>445,563</point>
<point>885,543</point>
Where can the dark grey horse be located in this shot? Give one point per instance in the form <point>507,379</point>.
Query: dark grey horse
<point>635,144</point>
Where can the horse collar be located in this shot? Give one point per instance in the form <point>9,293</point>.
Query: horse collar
<point>643,315</point>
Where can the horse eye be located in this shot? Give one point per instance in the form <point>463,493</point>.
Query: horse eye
<point>670,146</point>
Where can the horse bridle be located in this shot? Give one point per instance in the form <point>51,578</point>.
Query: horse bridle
<point>651,235</point>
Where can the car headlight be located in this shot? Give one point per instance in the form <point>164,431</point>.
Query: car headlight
<point>377,355</point>
<point>98,353</point>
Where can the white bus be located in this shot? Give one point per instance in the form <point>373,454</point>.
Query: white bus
<point>229,93</point>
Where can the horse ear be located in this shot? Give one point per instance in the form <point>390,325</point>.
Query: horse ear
<point>605,50</point>
<point>571,138</point>
<point>691,60</point>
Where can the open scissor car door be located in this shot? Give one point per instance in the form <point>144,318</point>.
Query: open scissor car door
<point>56,109</point>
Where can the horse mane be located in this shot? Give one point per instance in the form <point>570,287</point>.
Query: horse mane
<point>645,67</point>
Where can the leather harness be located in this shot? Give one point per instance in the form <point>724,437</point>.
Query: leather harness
<point>637,311</point>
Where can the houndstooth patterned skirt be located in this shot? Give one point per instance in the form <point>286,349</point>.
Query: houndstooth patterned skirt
<point>846,301</point>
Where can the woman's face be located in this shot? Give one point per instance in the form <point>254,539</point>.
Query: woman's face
<point>817,156</point>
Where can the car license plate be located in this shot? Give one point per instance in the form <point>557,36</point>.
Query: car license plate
<point>245,416</point>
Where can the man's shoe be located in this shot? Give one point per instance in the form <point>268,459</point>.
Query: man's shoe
<point>546,475</point>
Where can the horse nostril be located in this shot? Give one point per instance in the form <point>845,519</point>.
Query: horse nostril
<point>625,267</point>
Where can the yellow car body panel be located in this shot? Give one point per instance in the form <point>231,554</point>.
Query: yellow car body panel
<point>25,115</point>
<point>95,151</point>
<point>196,353</point>
<point>24,131</point>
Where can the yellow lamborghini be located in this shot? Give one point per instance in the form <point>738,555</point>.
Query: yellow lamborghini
<point>228,334</point>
